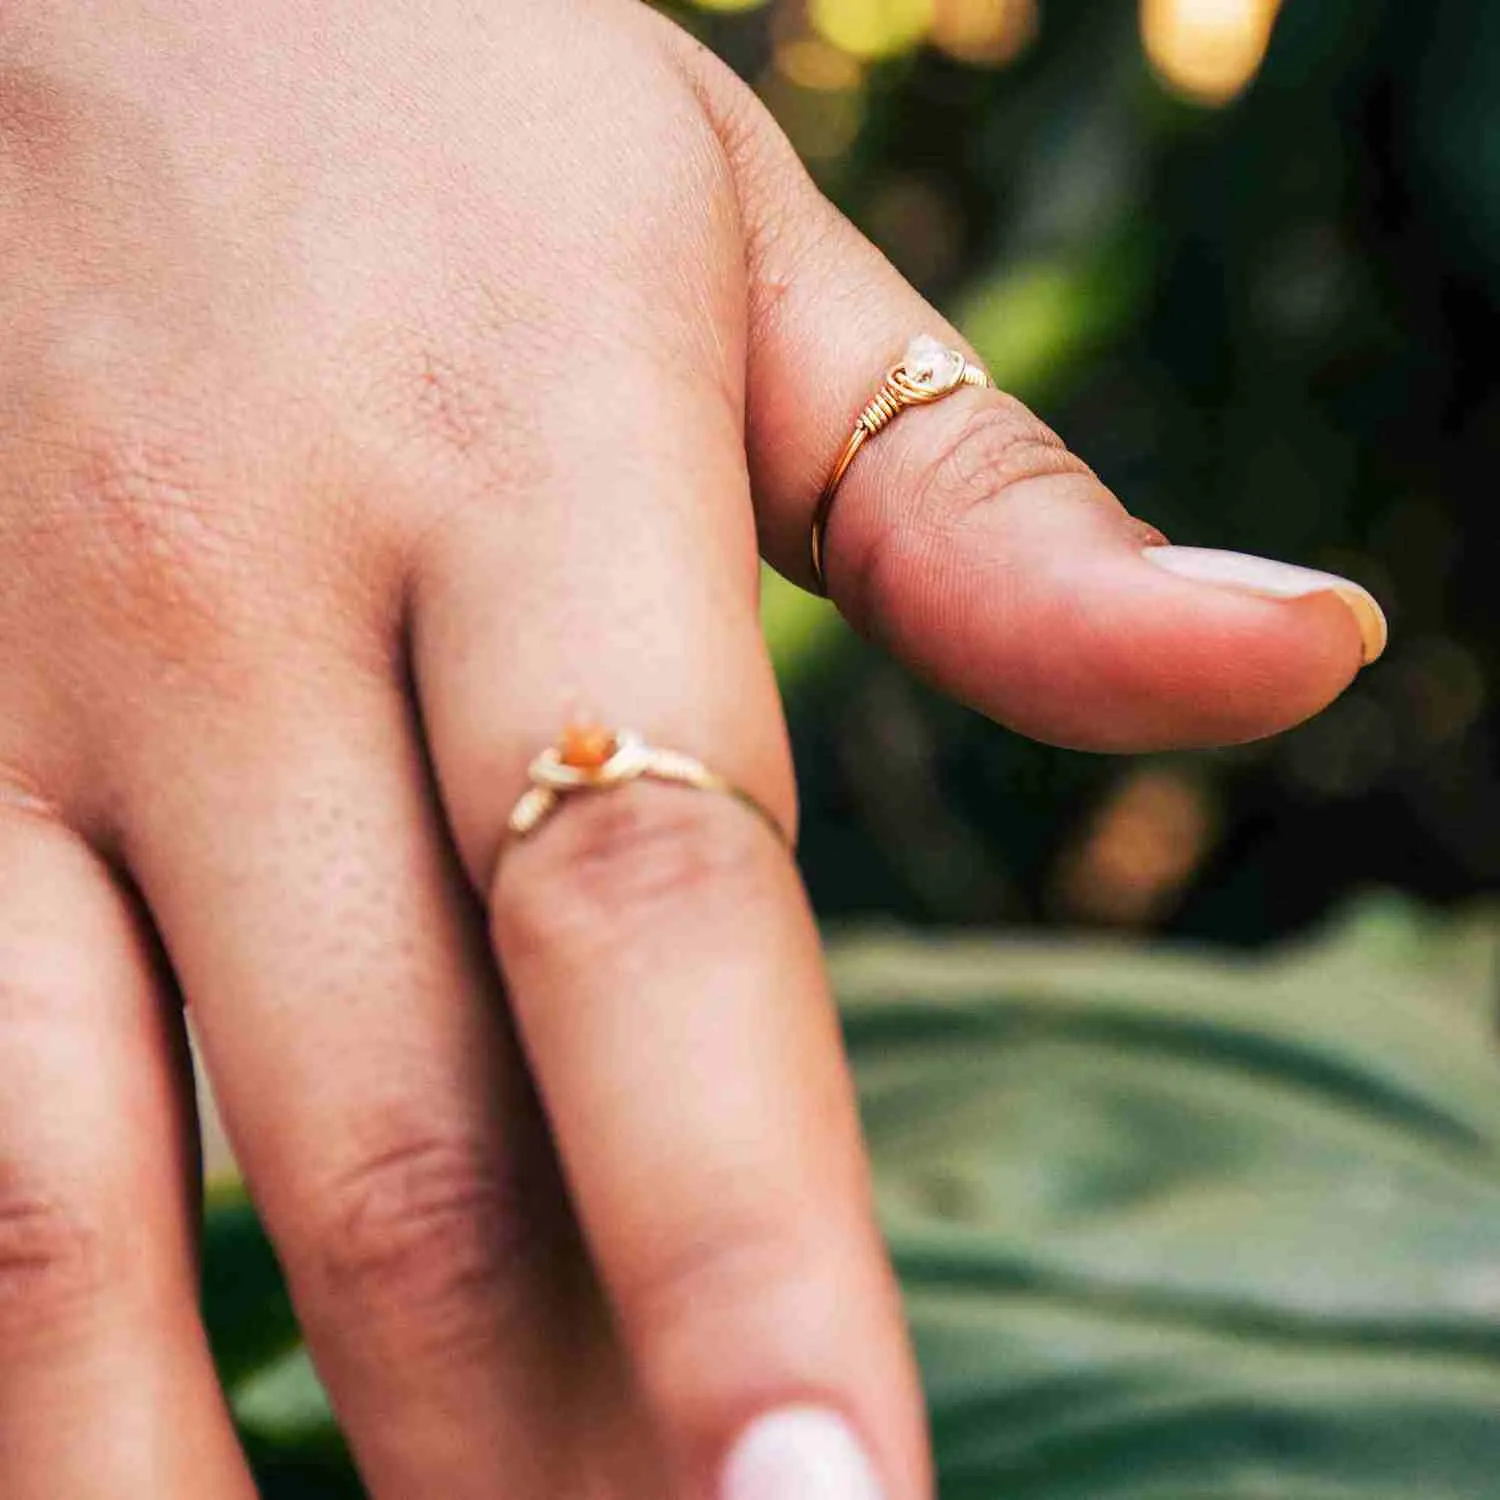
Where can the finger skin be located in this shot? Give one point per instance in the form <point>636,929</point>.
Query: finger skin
<point>106,1384</point>
<point>966,538</point>
<point>656,944</point>
<point>668,980</point>
<point>347,1007</point>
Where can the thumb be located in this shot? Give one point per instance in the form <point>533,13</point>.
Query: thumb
<point>969,540</point>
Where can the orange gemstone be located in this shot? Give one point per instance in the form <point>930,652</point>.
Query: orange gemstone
<point>586,747</point>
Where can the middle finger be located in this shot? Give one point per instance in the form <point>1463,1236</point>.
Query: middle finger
<point>662,961</point>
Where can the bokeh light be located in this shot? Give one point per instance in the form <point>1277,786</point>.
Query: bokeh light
<point>822,124</point>
<point>872,29</point>
<point>984,33</point>
<point>816,92</point>
<point>1207,50</point>
<point>1143,847</point>
<point>809,62</point>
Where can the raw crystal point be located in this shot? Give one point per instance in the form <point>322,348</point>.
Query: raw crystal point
<point>932,366</point>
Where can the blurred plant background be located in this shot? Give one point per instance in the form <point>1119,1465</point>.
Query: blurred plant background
<point>1245,258</point>
<point>1170,1228</point>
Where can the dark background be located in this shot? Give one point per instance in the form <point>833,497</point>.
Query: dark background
<point>1260,300</point>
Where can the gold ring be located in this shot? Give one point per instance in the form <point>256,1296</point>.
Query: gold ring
<point>928,371</point>
<point>590,759</point>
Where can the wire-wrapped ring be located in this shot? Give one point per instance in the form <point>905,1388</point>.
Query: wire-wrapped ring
<point>928,372</point>
<point>597,760</point>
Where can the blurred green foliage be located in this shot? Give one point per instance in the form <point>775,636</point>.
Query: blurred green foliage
<point>1169,1227</point>
<point>1270,326</point>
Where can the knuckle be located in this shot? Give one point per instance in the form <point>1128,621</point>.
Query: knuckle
<point>445,398</point>
<point>129,521</point>
<point>987,451</point>
<point>53,1266</point>
<point>995,446</point>
<point>64,1250</point>
<point>139,489</point>
<point>430,413</point>
<point>433,1234</point>
<point>167,529</point>
<point>424,383</point>
<point>702,1279</point>
<point>611,866</point>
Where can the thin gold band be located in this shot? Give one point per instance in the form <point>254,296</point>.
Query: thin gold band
<point>554,778</point>
<point>899,391</point>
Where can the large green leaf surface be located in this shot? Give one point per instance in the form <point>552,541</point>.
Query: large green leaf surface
<point>1171,1226</point>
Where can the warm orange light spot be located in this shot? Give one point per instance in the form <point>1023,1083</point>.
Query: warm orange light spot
<point>1208,50</point>
<point>1144,847</point>
<point>586,747</point>
<point>985,33</point>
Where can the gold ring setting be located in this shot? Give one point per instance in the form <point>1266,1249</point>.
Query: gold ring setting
<point>592,759</point>
<point>929,371</point>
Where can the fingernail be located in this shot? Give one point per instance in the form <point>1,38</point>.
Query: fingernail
<point>802,1453</point>
<point>1275,580</point>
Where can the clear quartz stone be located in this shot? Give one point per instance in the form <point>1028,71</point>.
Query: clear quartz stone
<point>931,365</point>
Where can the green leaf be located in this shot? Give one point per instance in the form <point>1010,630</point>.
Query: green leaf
<point>1171,1227</point>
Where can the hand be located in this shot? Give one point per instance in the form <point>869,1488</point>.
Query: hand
<point>385,387</point>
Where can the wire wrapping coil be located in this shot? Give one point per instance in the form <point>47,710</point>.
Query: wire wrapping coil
<point>897,393</point>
